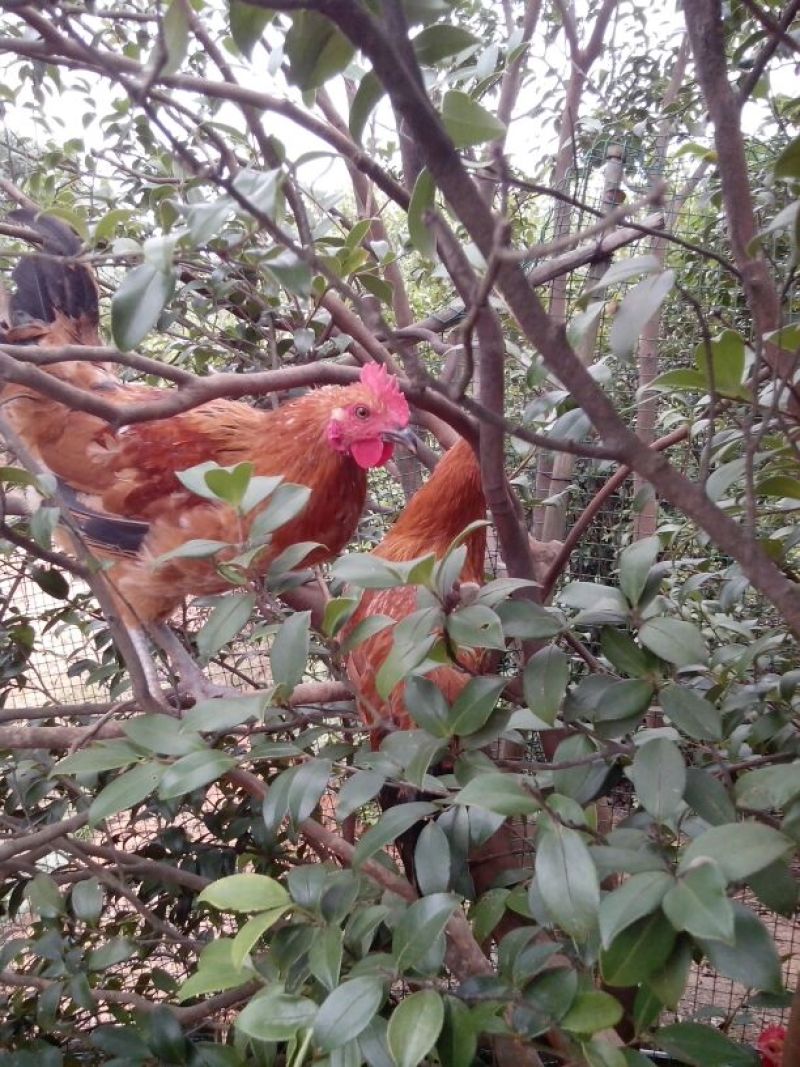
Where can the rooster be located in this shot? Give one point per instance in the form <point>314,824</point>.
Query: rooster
<point>770,1046</point>
<point>122,485</point>
<point>451,499</point>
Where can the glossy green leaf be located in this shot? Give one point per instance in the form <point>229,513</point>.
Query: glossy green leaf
<point>638,951</point>
<point>674,640</point>
<point>706,795</point>
<point>246,893</point>
<point>691,713</point>
<point>467,122</point>
<point>162,734</point>
<point>325,958</point>
<point>740,849</point>
<point>440,41</point>
<point>137,304</point>
<point>591,1011</point>
<point>432,860</point>
<point>247,25</point>
<point>215,971</point>
<point>347,1011</point>
<point>227,620</point>
<point>474,704</point>
<point>566,878</point>
<point>193,772</point>
<point>726,364</point>
<point>422,234</point>
<point>504,794</point>
<point>316,50</point>
<point>369,92</point>
<point>125,791</point>
<point>635,563</point>
<point>289,653</point>
<point>276,1015</point>
<point>751,958</point>
<point>659,774</point>
<point>637,308</point>
<point>544,682</point>
<point>44,896</point>
<point>640,895</point>
<point>390,825</point>
<point>421,924</point>
<point>86,899</point>
<point>701,1046</point>
<point>697,902</point>
<point>768,787</point>
<point>414,1027</point>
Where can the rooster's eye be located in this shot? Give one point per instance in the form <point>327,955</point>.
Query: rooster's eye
<point>361,412</point>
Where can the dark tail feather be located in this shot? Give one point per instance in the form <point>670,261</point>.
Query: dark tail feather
<point>45,287</point>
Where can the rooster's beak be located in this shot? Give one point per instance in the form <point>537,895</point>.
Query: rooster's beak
<point>407,438</point>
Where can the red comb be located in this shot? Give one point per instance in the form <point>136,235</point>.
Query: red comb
<point>770,1045</point>
<point>384,385</point>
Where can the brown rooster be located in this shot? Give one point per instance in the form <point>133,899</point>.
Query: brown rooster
<point>122,485</point>
<point>450,500</point>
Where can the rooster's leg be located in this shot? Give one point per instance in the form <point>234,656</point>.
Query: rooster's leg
<point>193,680</point>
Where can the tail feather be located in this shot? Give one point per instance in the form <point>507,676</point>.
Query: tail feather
<point>48,289</point>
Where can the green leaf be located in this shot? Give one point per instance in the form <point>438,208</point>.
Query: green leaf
<point>137,304</point>
<point>175,36</point>
<point>698,904</point>
<point>475,626</point>
<point>640,895</point>
<point>474,704</point>
<point>287,501</point>
<point>325,958</point>
<point>193,772</point>
<point>591,1011</point>
<point>247,25</point>
<point>215,971</point>
<point>752,958</point>
<point>358,791</point>
<point>432,860</point>
<point>524,620</point>
<point>245,892</point>
<point>659,774</point>
<point>467,122</point>
<point>309,782</point>
<point>638,951</point>
<point>229,483</point>
<point>427,706</point>
<point>674,640</point>
<point>347,1011</point>
<point>636,310</point>
<point>504,794</point>
<point>276,1015</point>
<point>787,165</point>
<point>440,41</point>
<point>369,92</point>
<point>740,848</point>
<point>680,380</point>
<point>44,897</point>
<point>581,783</point>
<point>421,924</point>
<point>768,787</point>
<point>706,795</point>
<point>289,653</point>
<point>414,1027</point>
<point>316,50</point>
<point>691,713</point>
<point>252,931</point>
<point>125,791</point>
<point>544,682</point>
<point>290,271</point>
<point>703,1045</point>
<point>458,1042</point>
<point>162,734</point>
<point>622,700</point>
<point>624,269</point>
<point>198,548</point>
<point>421,233</point>
<point>635,563</point>
<point>670,980</point>
<point>87,900</point>
<point>229,617</point>
<point>369,572</point>
<point>223,713</point>
<point>727,363</point>
<point>103,756</point>
<point>115,951</point>
<point>566,878</point>
<point>390,825</point>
